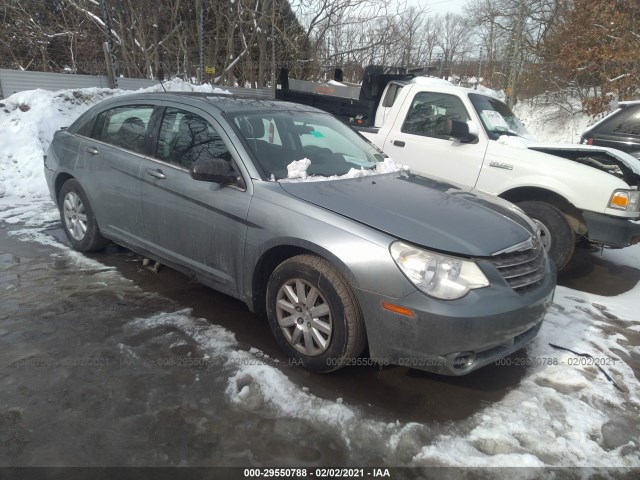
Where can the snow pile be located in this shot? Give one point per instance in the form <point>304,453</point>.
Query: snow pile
<point>298,168</point>
<point>28,122</point>
<point>389,165</point>
<point>297,171</point>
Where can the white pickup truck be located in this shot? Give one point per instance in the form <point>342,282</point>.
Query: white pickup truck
<point>473,139</point>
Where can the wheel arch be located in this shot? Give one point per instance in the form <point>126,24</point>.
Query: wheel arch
<point>275,255</point>
<point>570,211</point>
<point>61,179</point>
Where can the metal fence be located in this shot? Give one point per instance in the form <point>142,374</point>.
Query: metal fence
<point>13,81</point>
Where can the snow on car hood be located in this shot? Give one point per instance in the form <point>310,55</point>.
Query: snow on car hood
<point>423,211</point>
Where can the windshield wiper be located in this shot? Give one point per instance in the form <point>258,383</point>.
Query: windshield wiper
<point>510,133</point>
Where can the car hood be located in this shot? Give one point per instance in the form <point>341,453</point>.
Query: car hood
<point>422,211</point>
<point>609,160</point>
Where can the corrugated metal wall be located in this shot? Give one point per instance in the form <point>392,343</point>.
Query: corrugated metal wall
<point>13,81</point>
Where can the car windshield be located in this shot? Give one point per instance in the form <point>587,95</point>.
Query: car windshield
<point>293,144</point>
<point>497,117</point>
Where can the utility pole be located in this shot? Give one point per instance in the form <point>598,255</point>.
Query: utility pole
<point>273,47</point>
<point>201,38</point>
<point>112,66</point>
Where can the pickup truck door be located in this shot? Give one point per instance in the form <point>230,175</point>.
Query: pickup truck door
<point>198,224</point>
<point>416,139</point>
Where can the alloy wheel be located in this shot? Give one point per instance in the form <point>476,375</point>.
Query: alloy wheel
<point>75,216</point>
<point>304,317</point>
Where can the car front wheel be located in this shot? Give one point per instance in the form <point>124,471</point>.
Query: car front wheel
<point>78,220</point>
<point>556,234</point>
<point>314,314</point>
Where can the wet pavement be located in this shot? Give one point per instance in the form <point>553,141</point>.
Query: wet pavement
<point>82,384</point>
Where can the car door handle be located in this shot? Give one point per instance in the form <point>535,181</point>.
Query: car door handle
<point>398,143</point>
<point>155,173</point>
<point>92,150</point>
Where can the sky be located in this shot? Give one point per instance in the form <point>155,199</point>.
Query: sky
<point>441,6</point>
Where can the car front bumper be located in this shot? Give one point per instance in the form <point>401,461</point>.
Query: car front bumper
<point>455,337</point>
<point>613,231</point>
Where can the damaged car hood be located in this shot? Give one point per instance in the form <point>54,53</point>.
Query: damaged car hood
<point>609,160</point>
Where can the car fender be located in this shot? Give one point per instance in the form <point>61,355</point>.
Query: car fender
<point>507,167</point>
<point>358,251</point>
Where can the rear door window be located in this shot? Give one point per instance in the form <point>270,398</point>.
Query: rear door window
<point>124,127</point>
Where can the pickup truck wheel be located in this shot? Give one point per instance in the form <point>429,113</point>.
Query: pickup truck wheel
<point>78,220</point>
<point>313,314</point>
<point>556,233</point>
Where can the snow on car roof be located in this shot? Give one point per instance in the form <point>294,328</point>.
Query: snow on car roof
<point>432,81</point>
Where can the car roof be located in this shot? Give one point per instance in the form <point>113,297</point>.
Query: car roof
<point>614,111</point>
<point>225,103</point>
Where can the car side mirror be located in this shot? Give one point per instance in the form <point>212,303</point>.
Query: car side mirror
<point>216,170</point>
<point>459,131</point>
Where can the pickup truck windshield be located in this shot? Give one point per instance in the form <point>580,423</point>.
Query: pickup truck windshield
<point>497,118</point>
<point>277,139</point>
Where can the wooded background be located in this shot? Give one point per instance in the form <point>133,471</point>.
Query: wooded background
<point>589,49</point>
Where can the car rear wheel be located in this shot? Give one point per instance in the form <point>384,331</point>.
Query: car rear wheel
<point>313,314</point>
<point>555,232</point>
<point>78,220</point>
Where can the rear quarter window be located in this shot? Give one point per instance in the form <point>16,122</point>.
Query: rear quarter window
<point>625,122</point>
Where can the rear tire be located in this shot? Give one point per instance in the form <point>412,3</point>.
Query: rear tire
<point>556,233</point>
<point>78,220</point>
<point>314,315</point>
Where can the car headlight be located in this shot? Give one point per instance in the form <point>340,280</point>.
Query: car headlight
<point>437,275</point>
<point>628,200</point>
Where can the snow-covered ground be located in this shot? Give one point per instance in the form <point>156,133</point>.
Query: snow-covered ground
<point>558,415</point>
<point>550,121</point>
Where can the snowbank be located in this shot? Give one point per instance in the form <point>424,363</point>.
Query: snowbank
<point>553,122</point>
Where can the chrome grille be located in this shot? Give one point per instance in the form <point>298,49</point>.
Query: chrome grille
<point>523,270</point>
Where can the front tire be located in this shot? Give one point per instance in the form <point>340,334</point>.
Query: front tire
<point>313,314</point>
<point>556,233</point>
<point>78,220</point>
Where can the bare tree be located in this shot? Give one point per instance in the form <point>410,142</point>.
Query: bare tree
<point>454,34</point>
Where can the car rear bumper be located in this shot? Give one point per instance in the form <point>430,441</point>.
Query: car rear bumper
<point>48,175</point>
<point>614,231</point>
<point>456,337</point>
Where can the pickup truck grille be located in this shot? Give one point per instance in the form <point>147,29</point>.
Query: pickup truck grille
<point>523,270</point>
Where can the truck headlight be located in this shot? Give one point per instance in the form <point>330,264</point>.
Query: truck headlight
<point>625,200</point>
<point>437,275</point>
